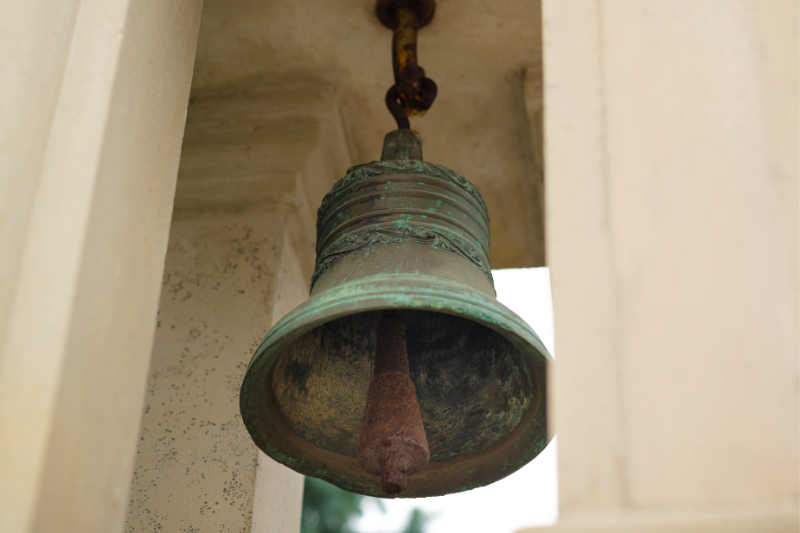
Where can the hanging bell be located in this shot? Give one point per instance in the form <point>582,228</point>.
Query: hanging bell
<point>402,375</point>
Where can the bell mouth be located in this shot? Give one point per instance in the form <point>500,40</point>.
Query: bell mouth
<point>479,372</point>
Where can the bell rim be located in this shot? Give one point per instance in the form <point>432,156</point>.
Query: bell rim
<point>272,434</point>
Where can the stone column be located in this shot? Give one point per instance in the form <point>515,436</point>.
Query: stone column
<point>672,207</point>
<point>253,170</point>
<point>93,99</point>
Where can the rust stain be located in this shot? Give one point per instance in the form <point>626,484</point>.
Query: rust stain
<point>414,91</point>
<point>392,443</point>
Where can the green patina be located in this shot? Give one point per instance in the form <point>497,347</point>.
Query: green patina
<point>478,369</point>
<point>473,471</point>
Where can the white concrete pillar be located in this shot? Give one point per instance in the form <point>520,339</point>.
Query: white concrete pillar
<point>93,100</point>
<point>671,156</point>
<point>254,169</point>
<point>228,278</point>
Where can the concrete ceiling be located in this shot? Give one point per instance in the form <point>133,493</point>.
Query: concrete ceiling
<point>481,54</point>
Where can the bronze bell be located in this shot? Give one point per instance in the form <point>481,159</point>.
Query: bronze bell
<point>455,397</point>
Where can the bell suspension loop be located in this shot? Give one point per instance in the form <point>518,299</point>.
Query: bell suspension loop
<point>412,93</point>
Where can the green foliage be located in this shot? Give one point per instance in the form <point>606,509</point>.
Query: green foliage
<point>328,509</point>
<point>417,521</point>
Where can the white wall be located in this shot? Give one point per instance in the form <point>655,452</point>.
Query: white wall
<point>672,208</point>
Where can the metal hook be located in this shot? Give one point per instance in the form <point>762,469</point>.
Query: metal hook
<point>412,90</point>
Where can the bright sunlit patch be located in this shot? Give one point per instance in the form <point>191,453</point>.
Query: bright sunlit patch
<point>526,498</point>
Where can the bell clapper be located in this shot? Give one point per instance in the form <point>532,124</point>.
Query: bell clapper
<point>392,443</point>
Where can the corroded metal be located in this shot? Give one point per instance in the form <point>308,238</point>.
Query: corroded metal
<point>410,237</point>
<point>436,239</point>
<point>423,10</point>
<point>396,200</point>
<point>392,443</point>
<point>402,144</point>
<point>396,108</point>
<point>412,90</point>
<point>375,169</point>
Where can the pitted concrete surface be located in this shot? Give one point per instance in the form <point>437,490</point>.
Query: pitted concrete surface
<point>196,466</point>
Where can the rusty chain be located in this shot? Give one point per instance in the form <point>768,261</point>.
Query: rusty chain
<point>412,94</point>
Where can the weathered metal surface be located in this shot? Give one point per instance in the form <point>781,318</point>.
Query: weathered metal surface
<point>412,237</point>
<point>402,144</point>
<point>392,443</point>
<point>396,108</point>
<point>478,369</point>
<point>449,358</point>
<point>393,201</point>
<point>412,90</point>
<point>359,173</point>
<point>386,11</point>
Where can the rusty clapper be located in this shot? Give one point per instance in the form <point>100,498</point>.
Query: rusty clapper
<point>392,443</point>
<point>401,375</point>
